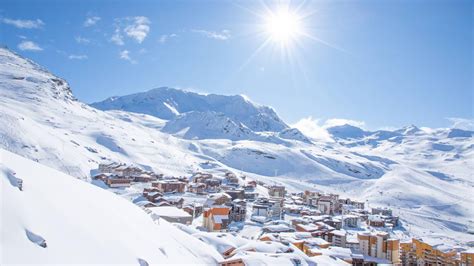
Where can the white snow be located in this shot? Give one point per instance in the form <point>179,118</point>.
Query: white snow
<point>81,223</point>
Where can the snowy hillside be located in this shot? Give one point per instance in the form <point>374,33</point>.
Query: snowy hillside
<point>57,219</point>
<point>425,175</point>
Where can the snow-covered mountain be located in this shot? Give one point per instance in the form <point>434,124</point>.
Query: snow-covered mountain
<point>425,175</point>
<point>168,103</point>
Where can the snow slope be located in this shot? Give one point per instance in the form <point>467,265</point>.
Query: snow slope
<point>81,223</point>
<point>425,175</point>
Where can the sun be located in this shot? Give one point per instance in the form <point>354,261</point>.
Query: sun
<point>283,25</point>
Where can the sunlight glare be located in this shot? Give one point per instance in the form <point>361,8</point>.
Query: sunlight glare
<point>283,26</point>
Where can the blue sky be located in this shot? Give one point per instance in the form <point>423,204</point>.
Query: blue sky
<point>386,63</point>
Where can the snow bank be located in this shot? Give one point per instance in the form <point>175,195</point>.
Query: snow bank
<point>58,219</point>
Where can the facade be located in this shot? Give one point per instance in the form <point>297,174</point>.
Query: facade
<point>238,211</point>
<point>216,218</point>
<point>198,188</point>
<point>115,182</point>
<point>382,211</point>
<point>277,191</point>
<point>379,245</point>
<point>337,238</point>
<point>166,186</point>
<point>376,221</point>
<point>467,258</point>
<point>418,252</point>
<point>236,194</point>
<point>328,203</point>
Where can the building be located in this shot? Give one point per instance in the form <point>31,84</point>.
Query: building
<point>379,245</point>
<point>337,238</point>
<point>152,195</point>
<point>261,210</point>
<point>418,252</point>
<point>350,220</point>
<point>194,209</point>
<point>145,177</point>
<point>236,193</point>
<point>467,258</point>
<point>171,214</point>
<point>231,178</point>
<point>198,188</point>
<point>167,186</point>
<point>328,203</point>
<point>216,218</point>
<point>115,181</point>
<point>277,191</point>
<point>382,211</point>
<point>376,221</point>
<point>238,210</point>
<point>217,199</point>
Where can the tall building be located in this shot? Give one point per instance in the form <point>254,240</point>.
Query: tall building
<point>379,245</point>
<point>418,252</point>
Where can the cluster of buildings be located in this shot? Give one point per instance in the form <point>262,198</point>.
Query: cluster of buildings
<point>121,175</point>
<point>315,223</point>
<point>418,252</point>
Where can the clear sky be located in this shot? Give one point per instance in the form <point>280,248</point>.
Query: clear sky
<point>387,63</point>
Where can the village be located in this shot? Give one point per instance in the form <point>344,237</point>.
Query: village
<point>245,218</point>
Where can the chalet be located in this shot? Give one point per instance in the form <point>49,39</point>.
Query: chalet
<point>145,178</point>
<point>212,184</point>
<point>277,191</point>
<point>194,209</point>
<point>109,167</point>
<point>114,181</point>
<point>231,178</point>
<point>198,188</point>
<point>167,186</point>
<point>376,221</point>
<point>152,196</point>
<point>217,199</point>
<point>175,201</point>
<point>233,262</point>
<point>236,194</point>
<point>238,210</point>
<point>200,177</point>
<point>171,214</point>
<point>216,218</point>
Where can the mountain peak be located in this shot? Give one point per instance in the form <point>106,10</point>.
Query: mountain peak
<point>25,78</point>
<point>168,103</point>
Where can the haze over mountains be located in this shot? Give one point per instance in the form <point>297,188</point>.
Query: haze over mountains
<point>425,175</point>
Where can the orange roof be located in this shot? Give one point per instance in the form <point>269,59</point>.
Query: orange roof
<point>220,210</point>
